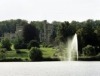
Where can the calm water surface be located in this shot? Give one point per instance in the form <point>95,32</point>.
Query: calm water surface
<point>73,68</point>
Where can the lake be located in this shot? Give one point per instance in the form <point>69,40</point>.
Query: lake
<point>58,68</point>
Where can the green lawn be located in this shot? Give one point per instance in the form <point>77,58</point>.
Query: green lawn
<point>47,52</point>
<point>23,55</point>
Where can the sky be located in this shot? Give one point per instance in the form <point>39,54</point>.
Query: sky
<point>50,10</point>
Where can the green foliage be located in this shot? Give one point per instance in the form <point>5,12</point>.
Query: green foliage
<point>44,44</point>
<point>64,31</point>
<point>22,53</point>
<point>10,25</point>
<point>33,43</point>
<point>88,32</point>
<point>2,54</point>
<point>53,36</point>
<point>18,51</point>
<point>35,54</point>
<point>89,50</point>
<point>30,33</point>
<point>6,44</point>
<point>37,24</point>
<point>19,43</point>
<point>48,52</point>
<point>80,40</point>
<point>97,31</point>
<point>12,60</point>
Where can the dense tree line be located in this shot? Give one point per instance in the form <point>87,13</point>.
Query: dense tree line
<point>88,31</point>
<point>10,25</point>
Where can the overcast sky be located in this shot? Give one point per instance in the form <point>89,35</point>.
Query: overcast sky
<point>59,10</point>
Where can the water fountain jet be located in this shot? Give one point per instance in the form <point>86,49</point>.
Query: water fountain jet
<point>71,50</point>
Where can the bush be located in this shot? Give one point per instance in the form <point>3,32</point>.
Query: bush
<point>88,50</point>
<point>98,55</point>
<point>18,51</point>
<point>33,43</point>
<point>12,60</point>
<point>2,54</point>
<point>45,45</point>
<point>35,54</point>
<point>19,44</point>
<point>6,44</point>
<point>50,45</point>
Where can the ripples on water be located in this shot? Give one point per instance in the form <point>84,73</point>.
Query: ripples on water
<point>72,68</point>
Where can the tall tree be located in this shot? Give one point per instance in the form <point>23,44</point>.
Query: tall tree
<point>88,34</point>
<point>30,33</point>
<point>65,30</point>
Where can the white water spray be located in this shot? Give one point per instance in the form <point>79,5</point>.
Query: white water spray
<point>71,51</point>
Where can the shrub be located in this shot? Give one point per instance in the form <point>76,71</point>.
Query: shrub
<point>98,55</point>
<point>19,44</point>
<point>88,50</point>
<point>35,54</point>
<point>12,60</point>
<point>33,43</point>
<point>18,51</point>
<point>6,44</point>
<point>2,54</point>
<point>50,45</point>
<point>44,44</point>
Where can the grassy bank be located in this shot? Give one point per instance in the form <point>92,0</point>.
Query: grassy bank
<point>23,54</point>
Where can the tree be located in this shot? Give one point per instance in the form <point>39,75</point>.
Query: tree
<point>97,31</point>
<point>53,36</point>
<point>76,25</point>
<point>10,25</point>
<point>2,54</point>
<point>35,54</point>
<point>65,30</point>
<point>80,40</point>
<point>33,43</point>
<point>19,44</point>
<point>88,33</point>
<point>30,33</point>
<point>37,24</point>
<point>6,44</point>
<point>89,50</point>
